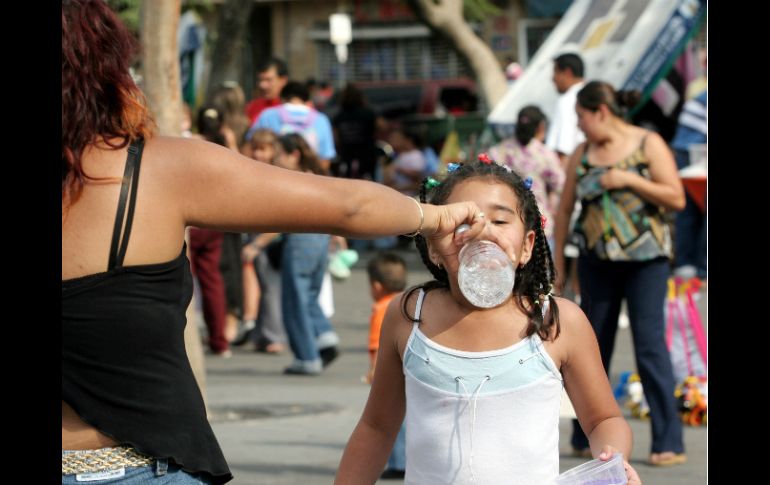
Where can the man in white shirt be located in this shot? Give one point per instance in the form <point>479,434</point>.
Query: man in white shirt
<point>563,134</point>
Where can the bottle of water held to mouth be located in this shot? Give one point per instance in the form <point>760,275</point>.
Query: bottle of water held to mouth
<point>486,274</point>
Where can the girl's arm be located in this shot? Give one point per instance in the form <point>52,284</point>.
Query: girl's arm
<point>587,384</point>
<point>369,445</point>
<point>589,390</point>
<point>665,189</point>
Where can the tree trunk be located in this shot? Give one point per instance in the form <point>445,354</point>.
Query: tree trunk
<point>161,86</point>
<point>446,16</point>
<point>160,19</point>
<point>227,60</point>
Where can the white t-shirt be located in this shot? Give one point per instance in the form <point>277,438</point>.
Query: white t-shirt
<point>563,134</point>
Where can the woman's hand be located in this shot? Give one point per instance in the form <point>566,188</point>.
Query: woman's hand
<point>615,179</point>
<point>448,244</point>
<point>442,221</point>
<point>631,475</point>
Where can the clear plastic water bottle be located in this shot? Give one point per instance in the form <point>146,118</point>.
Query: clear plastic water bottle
<point>486,274</point>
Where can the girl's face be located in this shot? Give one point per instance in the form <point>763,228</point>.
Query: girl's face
<point>500,205</point>
<point>286,160</point>
<point>263,152</point>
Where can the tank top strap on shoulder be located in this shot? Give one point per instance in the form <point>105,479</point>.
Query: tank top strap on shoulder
<point>415,323</point>
<point>583,165</point>
<point>418,308</point>
<point>538,349</point>
<point>417,312</point>
<point>130,180</point>
<point>644,139</point>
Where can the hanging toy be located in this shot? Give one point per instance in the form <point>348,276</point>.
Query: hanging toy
<point>692,396</point>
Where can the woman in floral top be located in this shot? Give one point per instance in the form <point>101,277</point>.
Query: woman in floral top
<point>526,154</point>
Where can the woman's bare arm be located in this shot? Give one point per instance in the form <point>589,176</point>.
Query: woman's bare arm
<point>220,189</point>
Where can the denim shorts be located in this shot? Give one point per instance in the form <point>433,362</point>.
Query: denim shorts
<point>161,472</point>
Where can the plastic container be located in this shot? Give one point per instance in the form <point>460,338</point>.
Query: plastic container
<point>486,274</point>
<point>596,472</point>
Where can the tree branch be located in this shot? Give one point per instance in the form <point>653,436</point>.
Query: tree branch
<point>447,17</point>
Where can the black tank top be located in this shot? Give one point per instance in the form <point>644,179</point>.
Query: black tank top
<point>124,366</point>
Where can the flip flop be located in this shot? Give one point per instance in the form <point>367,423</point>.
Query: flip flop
<point>667,458</point>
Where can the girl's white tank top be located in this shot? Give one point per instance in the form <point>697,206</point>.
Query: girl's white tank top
<point>487,418</point>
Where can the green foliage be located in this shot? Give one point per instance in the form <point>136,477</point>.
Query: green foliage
<point>473,10</point>
<point>200,6</point>
<point>479,10</point>
<point>129,12</point>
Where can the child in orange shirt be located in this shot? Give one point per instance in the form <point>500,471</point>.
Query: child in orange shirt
<point>387,278</point>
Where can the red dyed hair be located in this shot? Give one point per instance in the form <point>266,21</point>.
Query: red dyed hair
<point>100,101</point>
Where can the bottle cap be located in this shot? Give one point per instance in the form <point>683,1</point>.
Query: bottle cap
<point>461,229</point>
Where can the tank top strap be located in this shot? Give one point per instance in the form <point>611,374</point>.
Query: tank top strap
<point>637,157</point>
<point>418,309</point>
<point>644,139</point>
<point>130,179</point>
<point>538,348</point>
<point>583,165</point>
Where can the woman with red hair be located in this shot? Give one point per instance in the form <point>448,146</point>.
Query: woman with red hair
<point>131,408</point>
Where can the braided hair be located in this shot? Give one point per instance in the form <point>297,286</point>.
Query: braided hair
<point>534,280</point>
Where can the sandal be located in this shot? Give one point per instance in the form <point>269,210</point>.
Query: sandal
<point>667,458</point>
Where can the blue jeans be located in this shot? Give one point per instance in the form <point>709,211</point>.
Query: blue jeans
<point>305,257</point>
<point>397,458</point>
<point>379,244</point>
<point>603,285</point>
<point>161,473</point>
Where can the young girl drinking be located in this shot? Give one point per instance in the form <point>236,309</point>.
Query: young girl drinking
<point>481,388</point>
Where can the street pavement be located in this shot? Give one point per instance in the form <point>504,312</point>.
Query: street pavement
<point>280,430</point>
